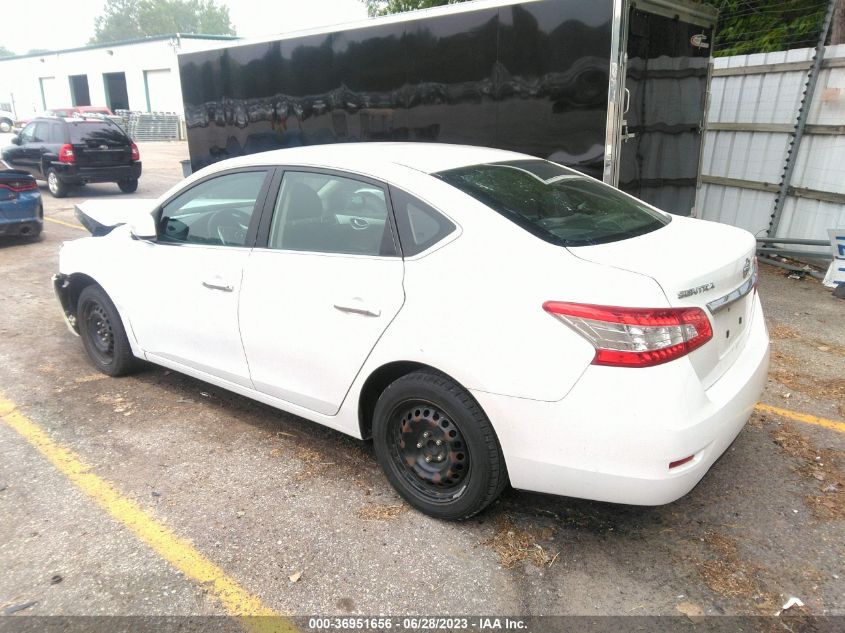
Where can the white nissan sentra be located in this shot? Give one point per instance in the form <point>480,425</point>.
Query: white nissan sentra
<point>485,317</point>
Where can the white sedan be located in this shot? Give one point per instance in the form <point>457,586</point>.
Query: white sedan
<point>485,317</point>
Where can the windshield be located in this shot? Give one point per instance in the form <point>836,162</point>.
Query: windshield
<point>554,203</point>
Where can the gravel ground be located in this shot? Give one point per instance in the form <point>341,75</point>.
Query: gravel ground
<point>266,495</point>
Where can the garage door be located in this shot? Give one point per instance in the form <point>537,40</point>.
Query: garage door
<point>161,96</point>
<point>49,93</point>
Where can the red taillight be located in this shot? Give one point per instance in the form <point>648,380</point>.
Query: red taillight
<point>19,185</point>
<point>66,154</point>
<point>635,337</point>
<point>136,155</point>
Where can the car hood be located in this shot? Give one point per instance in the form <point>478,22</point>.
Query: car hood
<point>101,216</point>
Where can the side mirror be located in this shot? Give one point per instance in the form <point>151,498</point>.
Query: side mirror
<point>16,140</point>
<point>143,227</point>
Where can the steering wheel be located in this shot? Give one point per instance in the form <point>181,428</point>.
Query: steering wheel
<point>230,225</point>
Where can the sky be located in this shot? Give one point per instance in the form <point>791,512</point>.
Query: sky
<point>63,24</point>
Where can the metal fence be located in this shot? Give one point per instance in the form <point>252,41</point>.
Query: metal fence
<point>151,126</point>
<point>753,128</point>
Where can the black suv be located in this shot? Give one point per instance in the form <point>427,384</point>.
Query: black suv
<point>75,151</point>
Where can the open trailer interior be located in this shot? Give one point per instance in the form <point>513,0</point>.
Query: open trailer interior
<point>614,88</point>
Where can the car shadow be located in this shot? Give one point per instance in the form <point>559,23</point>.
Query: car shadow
<point>8,241</point>
<point>336,448</point>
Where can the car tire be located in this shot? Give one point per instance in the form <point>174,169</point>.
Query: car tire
<point>57,188</point>
<point>103,334</point>
<point>5,126</point>
<point>437,447</point>
<point>130,185</point>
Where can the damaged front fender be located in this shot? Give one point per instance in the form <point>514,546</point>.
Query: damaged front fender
<point>64,293</point>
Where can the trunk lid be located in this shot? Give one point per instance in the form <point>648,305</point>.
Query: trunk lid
<point>697,264</point>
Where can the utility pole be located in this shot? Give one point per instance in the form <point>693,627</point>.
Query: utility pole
<point>837,28</point>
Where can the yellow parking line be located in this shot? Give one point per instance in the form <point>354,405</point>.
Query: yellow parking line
<point>802,417</point>
<point>63,223</point>
<point>176,550</point>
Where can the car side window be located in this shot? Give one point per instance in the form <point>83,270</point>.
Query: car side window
<point>325,213</point>
<point>420,226</point>
<point>57,134</point>
<point>41,132</point>
<point>217,211</point>
<point>27,133</point>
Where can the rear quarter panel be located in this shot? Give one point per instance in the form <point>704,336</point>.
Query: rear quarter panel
<point>473,306</point>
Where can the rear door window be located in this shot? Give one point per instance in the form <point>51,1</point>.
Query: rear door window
<point>96,132</point>
<point>326,213</point>
<point>554,203</point>
<point>57,133</point>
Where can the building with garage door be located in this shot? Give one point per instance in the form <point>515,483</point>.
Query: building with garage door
<point>140,75</point>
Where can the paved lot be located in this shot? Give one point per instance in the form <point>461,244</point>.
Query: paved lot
<point>267,496</point>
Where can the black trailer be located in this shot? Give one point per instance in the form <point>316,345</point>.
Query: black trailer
<point>614,88</point>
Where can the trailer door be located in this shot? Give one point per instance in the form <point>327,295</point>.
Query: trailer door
<point>667,75</point>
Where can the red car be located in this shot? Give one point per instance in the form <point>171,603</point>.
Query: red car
<point>66,112</point>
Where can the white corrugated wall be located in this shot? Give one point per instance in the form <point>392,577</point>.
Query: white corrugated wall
<point>759,156</point>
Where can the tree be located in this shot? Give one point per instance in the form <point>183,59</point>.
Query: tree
<point>131,19</point>
<point>745,26</point>
<point>5,52</point>
<point>384,7</point>
<point>763,26</point>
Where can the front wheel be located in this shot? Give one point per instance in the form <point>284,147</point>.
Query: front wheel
<point>57,188</point>
<point>130,185</point>
<point>103,334</point>
<point>5,125</point>
<point>437,447</point>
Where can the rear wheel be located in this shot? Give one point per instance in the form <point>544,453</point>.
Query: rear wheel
<point>5,125</point>
<point>437,447</point>
<point>103,334</point>
<point>130,185</point>
<point>57,188</point>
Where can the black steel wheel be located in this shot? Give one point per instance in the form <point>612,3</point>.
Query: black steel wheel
<point>428,450</point>
<point>436,446</point>
<point>98,331</point>
<point>102,333</point>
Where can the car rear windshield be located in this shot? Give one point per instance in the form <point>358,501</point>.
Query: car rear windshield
<point>554,203</point>
<point>96,132</point>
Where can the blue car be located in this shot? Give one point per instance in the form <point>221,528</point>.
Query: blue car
<point>21,211</point>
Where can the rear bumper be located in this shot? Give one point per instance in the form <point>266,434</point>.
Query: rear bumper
<point>75,175</point>
<point>22,226</point>
<point>22,215</point>
<point>614,435</point>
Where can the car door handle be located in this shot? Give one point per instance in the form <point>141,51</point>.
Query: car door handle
<point>218,286</point>
<point>357,307</point>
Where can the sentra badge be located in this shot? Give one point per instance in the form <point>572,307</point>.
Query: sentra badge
<point>691,292</point>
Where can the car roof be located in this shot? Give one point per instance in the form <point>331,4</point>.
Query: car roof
<point>425,157</point>
<point>71,119</point>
